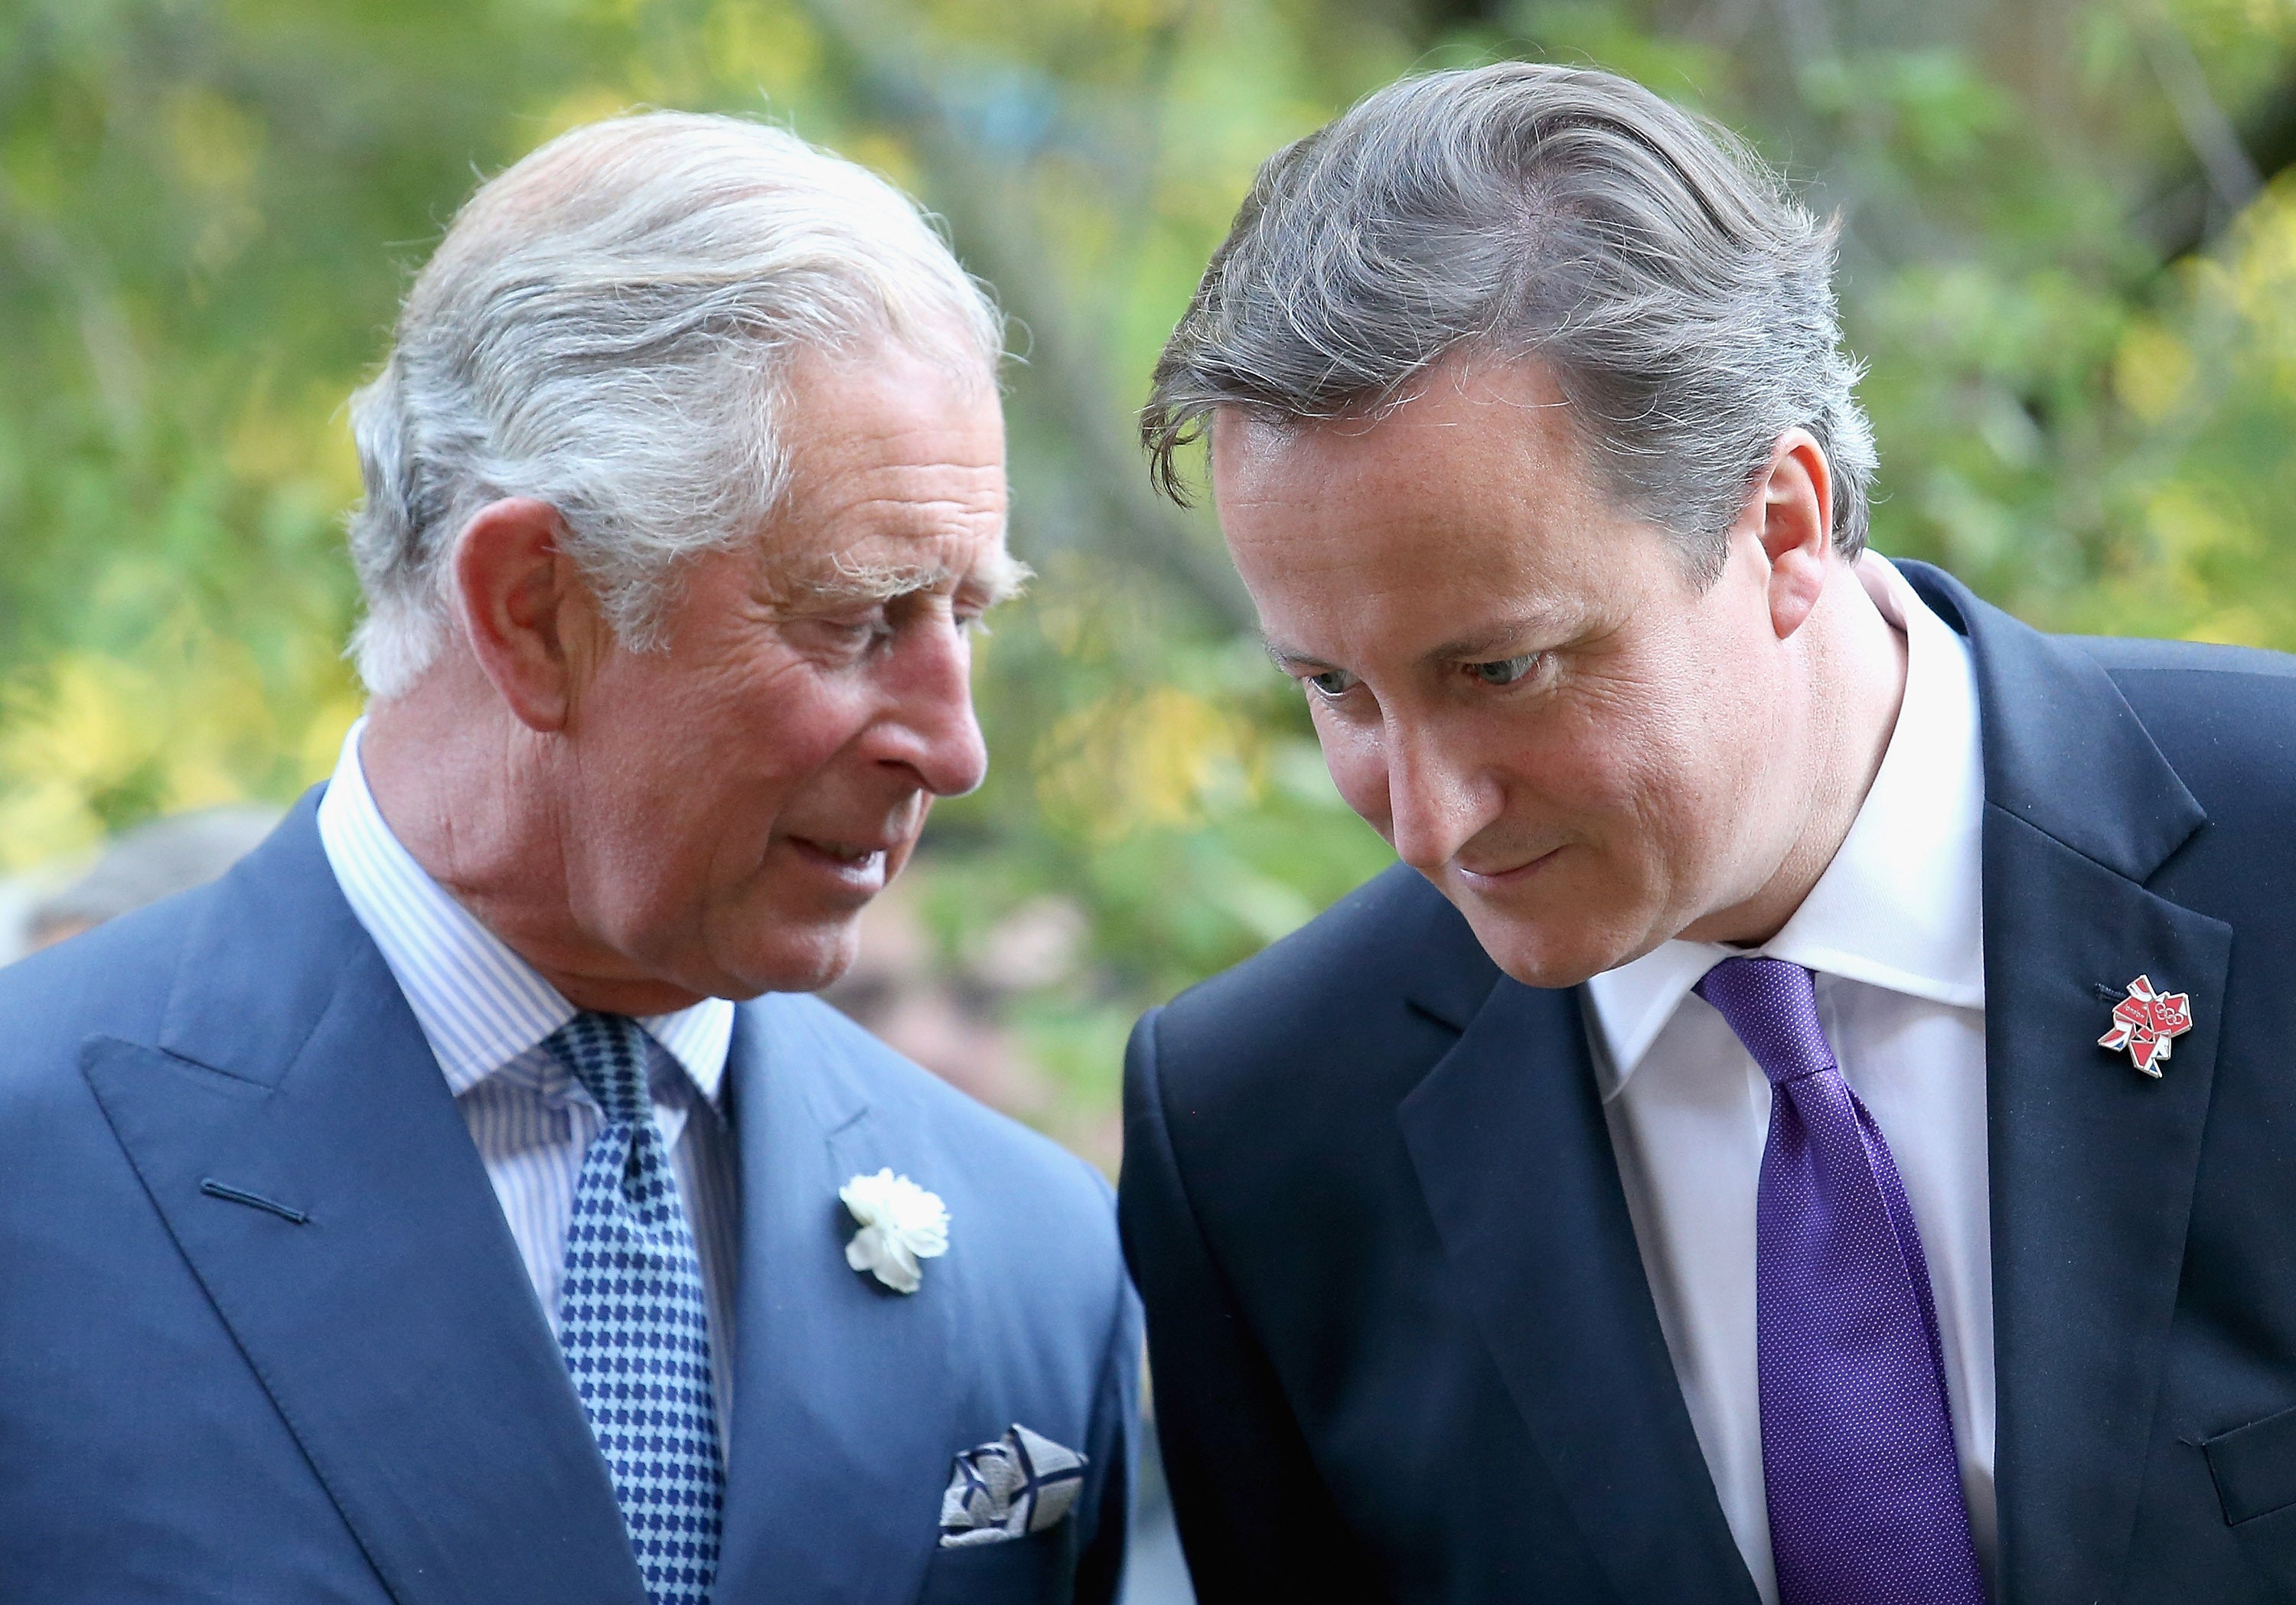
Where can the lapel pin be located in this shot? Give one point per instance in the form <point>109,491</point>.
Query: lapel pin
<point>2146,1022</point>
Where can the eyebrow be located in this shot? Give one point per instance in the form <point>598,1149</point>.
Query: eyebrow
<point>842,581</point>
<point>1489,644</point>
<point>1289,659</point>
<point>1483,646</point>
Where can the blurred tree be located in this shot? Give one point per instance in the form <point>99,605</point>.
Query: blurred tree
<point>2069,253</point>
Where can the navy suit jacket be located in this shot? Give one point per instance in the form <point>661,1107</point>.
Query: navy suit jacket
<point>205,1399</point>
<point>1403,1344</point>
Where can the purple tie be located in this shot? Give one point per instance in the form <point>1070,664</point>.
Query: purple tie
<point>1857,1455</point>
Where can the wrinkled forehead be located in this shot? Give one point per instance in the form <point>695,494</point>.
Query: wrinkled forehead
<point>895,482</point>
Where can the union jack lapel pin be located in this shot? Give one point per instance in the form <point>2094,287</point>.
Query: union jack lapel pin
<point>2146,1022</point>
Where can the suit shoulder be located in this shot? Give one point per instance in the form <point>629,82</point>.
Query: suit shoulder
<point>2131,655</point>
<point>2225,718</point>
<point>113,980</point>
<point>1360,982</point>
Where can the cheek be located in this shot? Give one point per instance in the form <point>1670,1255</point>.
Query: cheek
<point>1599,747</point>
<point>722,748</point>
<point>1357,764</point>
<point>774,724</point>
<point>1687,777</point>
<point>791,735</point>
<point>1629,755</point>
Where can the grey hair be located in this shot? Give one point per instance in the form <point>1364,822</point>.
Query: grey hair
<point>1678,293</point>
<point>608,327</point>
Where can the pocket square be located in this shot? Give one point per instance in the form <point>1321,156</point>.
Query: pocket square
<point>1020,1484</point>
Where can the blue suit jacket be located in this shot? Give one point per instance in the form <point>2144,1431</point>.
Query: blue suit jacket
<point>1403,1342</point>
<point>200,1399</point>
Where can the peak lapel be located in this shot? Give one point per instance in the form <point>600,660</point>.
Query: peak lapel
<point>2093,1163</point>
<point>393,1327</point>
<point>843,1431</point>
<point>2093,1167</point>
<point>1509,1140</point>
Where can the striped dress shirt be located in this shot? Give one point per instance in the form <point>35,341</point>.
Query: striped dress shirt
<point>487,1012</point>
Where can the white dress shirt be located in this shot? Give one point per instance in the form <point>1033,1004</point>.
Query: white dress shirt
<point>1894,931</point>
<point>487,1012</point>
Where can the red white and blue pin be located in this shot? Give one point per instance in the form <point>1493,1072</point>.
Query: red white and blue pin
<point>2147,1023</point>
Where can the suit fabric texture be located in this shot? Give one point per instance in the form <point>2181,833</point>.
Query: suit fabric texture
<point>1403,1344</point>
<point>265,1333</point>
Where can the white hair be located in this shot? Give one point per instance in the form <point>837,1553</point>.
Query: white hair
<point>608,327</point>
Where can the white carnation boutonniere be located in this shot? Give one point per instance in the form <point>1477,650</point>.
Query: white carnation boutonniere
<point>901,1225</point>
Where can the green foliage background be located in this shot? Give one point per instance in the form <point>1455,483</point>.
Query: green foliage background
<point>2066,256</point>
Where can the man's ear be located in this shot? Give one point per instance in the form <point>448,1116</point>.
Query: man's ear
<point>527,610</point>
<point>1792,506</point>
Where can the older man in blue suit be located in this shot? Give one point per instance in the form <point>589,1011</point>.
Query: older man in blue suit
<point>420,1214</point>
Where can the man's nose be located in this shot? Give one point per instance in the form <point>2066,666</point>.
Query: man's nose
<point>1435,803</point>
<point>933,730</point>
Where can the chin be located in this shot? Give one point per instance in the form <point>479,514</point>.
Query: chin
<point>1546,954</point>
<point>802,960</point>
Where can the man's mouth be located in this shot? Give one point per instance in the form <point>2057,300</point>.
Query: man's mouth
<point>1500,873</point>
<point>846,855</point>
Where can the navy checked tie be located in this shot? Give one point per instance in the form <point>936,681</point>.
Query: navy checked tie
<point>633,1321</point>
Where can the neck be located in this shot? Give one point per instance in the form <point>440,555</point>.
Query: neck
<point>470,792</point>
<point>1854,665</point>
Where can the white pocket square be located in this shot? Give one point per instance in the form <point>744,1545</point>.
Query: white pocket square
<point>1021,1484</point>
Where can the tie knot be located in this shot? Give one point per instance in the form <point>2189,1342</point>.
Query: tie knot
<point>1773,1007</point>
<point>607,1054</point>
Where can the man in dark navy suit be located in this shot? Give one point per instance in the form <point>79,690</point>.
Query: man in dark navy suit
<point>1812,1116</point>
<point>463,1202</point>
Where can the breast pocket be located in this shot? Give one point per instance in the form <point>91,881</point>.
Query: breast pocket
<point>2255,1471</point>
<point>1040,1569</point>
<point>2254,1467</point>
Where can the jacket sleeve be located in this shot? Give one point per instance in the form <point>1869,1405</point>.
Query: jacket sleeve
<point>1256,1520</point>
<point>1115,1447</point>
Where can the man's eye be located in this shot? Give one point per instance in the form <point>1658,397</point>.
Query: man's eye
<point>1331,682</point>
<point>853,637</point>
<point>1503,671</point>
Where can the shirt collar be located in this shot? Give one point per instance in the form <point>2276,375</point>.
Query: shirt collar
<point>480,1005</point>
<point>1900,907</point>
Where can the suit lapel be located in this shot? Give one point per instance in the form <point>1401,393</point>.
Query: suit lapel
<point>1512,1152</point>
<point>842,1429</point>
<point>2093,1164</point>
<point>393,1327</point>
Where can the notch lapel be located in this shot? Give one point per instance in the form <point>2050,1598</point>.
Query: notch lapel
<point>2093,1163</point>
<point>842,1421</point>
<point>393,1327</point>
<point>1507,1136</point>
